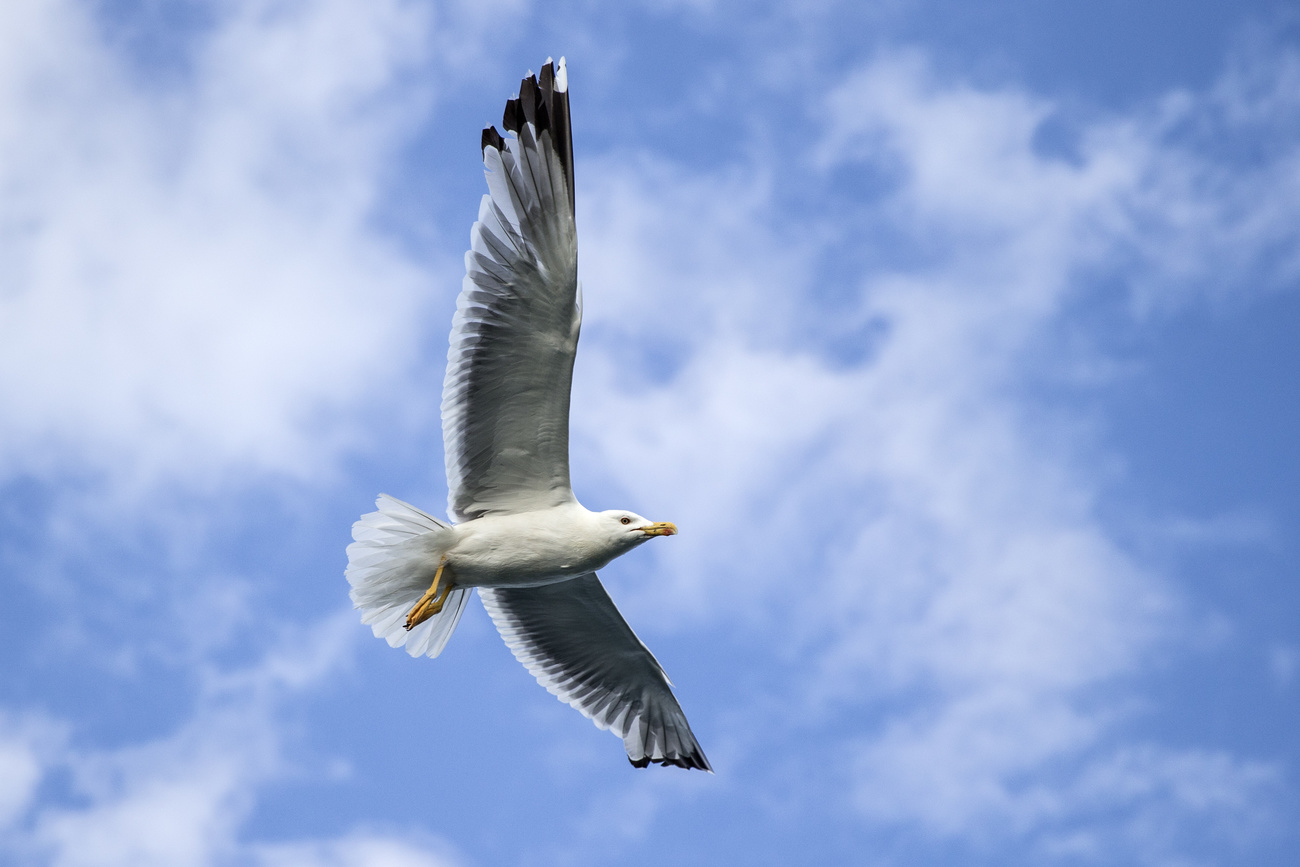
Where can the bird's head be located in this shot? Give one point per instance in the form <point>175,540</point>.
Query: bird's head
<point>630,529</point>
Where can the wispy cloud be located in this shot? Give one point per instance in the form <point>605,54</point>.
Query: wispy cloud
<point>184,798</point>
<point>191,279</point>
<point>917,529</point>
<point>196,297</point>
<point>362,849</point>
<point>841,408</point>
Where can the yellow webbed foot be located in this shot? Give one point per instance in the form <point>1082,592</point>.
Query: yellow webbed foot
<point>432,600</point>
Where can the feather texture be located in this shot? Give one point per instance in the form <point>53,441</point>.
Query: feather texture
<point>571,637</point>
<point>505,406</point>
<point>390,564</point>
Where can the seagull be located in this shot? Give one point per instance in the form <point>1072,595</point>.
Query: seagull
<point>517,533</point>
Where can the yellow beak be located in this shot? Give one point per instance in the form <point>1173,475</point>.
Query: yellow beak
<point>663,528</point>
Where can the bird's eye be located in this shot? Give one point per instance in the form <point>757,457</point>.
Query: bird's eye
<point>625,520</point>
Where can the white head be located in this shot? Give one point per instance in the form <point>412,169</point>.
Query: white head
<point>628,529</point>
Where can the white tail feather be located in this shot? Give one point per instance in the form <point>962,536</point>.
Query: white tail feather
<point>391,564</point>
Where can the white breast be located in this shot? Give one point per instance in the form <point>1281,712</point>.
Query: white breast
<point>531,548</point>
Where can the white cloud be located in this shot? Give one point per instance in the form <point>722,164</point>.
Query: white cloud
<point>361,849</point>
<point>183,799</point>
<point>1283,663</point>
<point>192,284</point>
<point>190,279</point>
<point>1222,187</point>
<point>25,744</point>
<point>19,772</point>
<point>918,527</point>
<point>1156,801</point>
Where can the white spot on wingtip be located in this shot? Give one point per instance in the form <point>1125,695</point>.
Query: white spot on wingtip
<point>561,78</point>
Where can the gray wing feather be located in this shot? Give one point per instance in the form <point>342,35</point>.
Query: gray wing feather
<point>571,637</point>
<point>505,407</point>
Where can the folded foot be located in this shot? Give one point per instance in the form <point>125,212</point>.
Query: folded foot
<point>432,600</point>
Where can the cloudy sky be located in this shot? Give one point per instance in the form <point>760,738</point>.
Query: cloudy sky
<point>958,338</point>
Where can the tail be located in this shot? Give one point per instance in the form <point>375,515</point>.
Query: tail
<point>391,564</point>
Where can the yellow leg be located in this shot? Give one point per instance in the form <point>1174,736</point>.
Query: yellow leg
<point>432,600</point>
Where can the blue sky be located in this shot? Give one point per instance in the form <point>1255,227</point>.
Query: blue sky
<point>957,338</point>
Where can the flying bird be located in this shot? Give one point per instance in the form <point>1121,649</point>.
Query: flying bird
<point>517,533</point>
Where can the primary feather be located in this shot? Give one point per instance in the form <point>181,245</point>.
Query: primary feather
<point>505,401</point>
<point>571,637</point>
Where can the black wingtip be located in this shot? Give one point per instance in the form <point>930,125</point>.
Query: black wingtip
<point>547,109</point>
<point>512,120</point>
<point>695,760</point>
<point>492,139</point>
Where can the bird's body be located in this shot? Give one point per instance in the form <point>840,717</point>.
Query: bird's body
<point>536,547</point>
<point>518,534</point>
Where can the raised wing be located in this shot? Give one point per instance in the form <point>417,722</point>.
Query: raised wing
<point>505,401</point>
<point>573,640</point>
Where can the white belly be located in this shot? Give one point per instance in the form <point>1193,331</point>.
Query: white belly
<point>528,549</point>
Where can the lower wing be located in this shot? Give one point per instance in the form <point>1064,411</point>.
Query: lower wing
<point>571,637</point>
